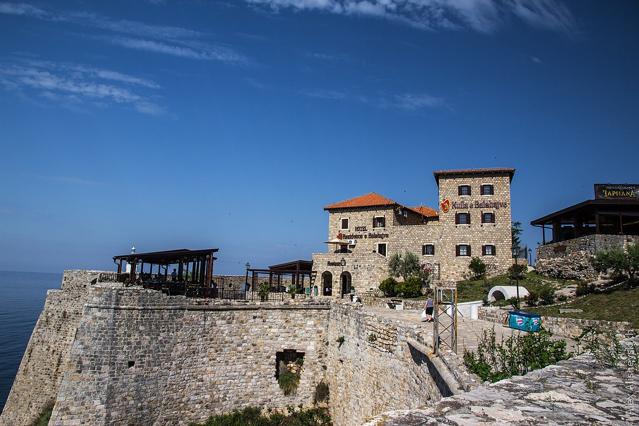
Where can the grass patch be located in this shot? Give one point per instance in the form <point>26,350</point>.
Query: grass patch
<point>470,290</point>
<point>252,416</point>
<point>621,304</point>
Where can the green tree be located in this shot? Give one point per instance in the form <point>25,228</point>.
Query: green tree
<point>389,287</point>
<point>622,264</point>
<point>477,267</point>
<point>516,231</point>
<point>405,266</point>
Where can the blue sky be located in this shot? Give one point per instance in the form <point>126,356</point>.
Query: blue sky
<point>232,123</point>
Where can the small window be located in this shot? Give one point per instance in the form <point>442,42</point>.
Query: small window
<point>488,217</point>
<point>379,222</point>
<point>463,190</point>
<point>428,250</point>
<point>462,250</point>
<point>345,223</point>
<point>487,189</point>
<point>381,249</point>
<point>488,250</point>
<point>462,218</point>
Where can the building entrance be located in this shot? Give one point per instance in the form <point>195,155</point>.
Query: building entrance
<point>327,284</point>
<point>345,280</point>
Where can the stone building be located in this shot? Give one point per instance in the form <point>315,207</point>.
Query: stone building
<point>474,219</point>
<point>573,235</point>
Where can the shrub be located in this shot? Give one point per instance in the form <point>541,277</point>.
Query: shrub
<point>622,264</point>
<point>389,287</point>
<point>547,295</point>
<point>608,350</point>
<point>477,268</point>
<point>340,341</point>
<point>562,298</point>
<point>584,289</point>
<point>252,416</point>
<point>263,291</point>
<point>532,298</point>
<point>517,271</point>
<point>322,393</point>
<point>372,337</point>
<point>514,356</point>
<point>45,415</point>
<point>288,381</point>
<point>410,288</point>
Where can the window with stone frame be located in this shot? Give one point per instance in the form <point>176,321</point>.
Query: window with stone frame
<point>462,218</point>
<point>344,223</point>
<point>488,250</point>
<point>464,190</point>
<point>462,250</point>
<point>381,249</point>
<point>428,250</point>
<point>487,189</point>
<point>488,217</point>
<point>379,222</point>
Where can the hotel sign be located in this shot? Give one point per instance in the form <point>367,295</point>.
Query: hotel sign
<point>446,205</point>
<point>605,191</point>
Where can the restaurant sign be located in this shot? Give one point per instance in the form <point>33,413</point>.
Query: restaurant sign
<point>608,191</point>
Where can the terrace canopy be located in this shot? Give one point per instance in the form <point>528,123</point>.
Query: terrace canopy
<point>194,266</point>
<point>598,216</point>
<point>292,273</point>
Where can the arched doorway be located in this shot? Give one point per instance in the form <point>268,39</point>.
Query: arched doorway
<point>327,284</point>
<point>345,281</point>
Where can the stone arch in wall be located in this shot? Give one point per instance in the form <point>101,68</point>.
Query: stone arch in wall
<point>346,283</point>
<point>327,284</point>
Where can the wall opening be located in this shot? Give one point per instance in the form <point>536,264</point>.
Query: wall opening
<point>288,369</point>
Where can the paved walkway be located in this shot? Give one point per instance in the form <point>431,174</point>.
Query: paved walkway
<point>469,332</point>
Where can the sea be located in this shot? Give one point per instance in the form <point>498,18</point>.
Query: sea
<point>22,296</point>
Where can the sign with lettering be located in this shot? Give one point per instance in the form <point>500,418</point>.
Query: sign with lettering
<point>479,204</point>
<point>607,191</point>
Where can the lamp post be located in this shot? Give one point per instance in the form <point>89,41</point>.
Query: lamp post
<point>515,255</point>
<point>246,284</point>
<point>529,257</point>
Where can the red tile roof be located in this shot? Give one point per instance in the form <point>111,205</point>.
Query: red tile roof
<point>425,211</point>
<point>368,200</point>
<point>438,173</point>
<point>375,200</point>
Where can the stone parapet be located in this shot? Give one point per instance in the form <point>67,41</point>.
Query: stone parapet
<point>572,259</point>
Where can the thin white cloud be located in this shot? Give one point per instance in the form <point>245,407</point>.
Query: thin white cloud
<point>415,101</point>
<point>479,15</point>
<point>401,101</point>
<point>73,85</point>
<point>202,52</point>
<point>168,40</point>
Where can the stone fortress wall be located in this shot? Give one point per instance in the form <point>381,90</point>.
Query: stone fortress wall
<point>113,355</point>
<point>44,360</point>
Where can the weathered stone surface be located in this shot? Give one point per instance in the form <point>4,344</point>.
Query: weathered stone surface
<point>572,259</point>
<point>42,365</point>
<point>576,391</point>
<point>569,328</point>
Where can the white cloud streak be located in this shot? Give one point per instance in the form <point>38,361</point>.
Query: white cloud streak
<point>73,85</point>
<point>169,40</point>
<point>484,16</point>
<point>402,101</point>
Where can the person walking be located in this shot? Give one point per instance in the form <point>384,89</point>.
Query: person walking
<point>428,308</point>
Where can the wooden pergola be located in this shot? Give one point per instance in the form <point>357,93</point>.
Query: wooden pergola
<point>298,271</point>
<point>191,266</point>
<point>599,216</point>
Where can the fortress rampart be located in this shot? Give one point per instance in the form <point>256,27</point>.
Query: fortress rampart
<point>106,354</point>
